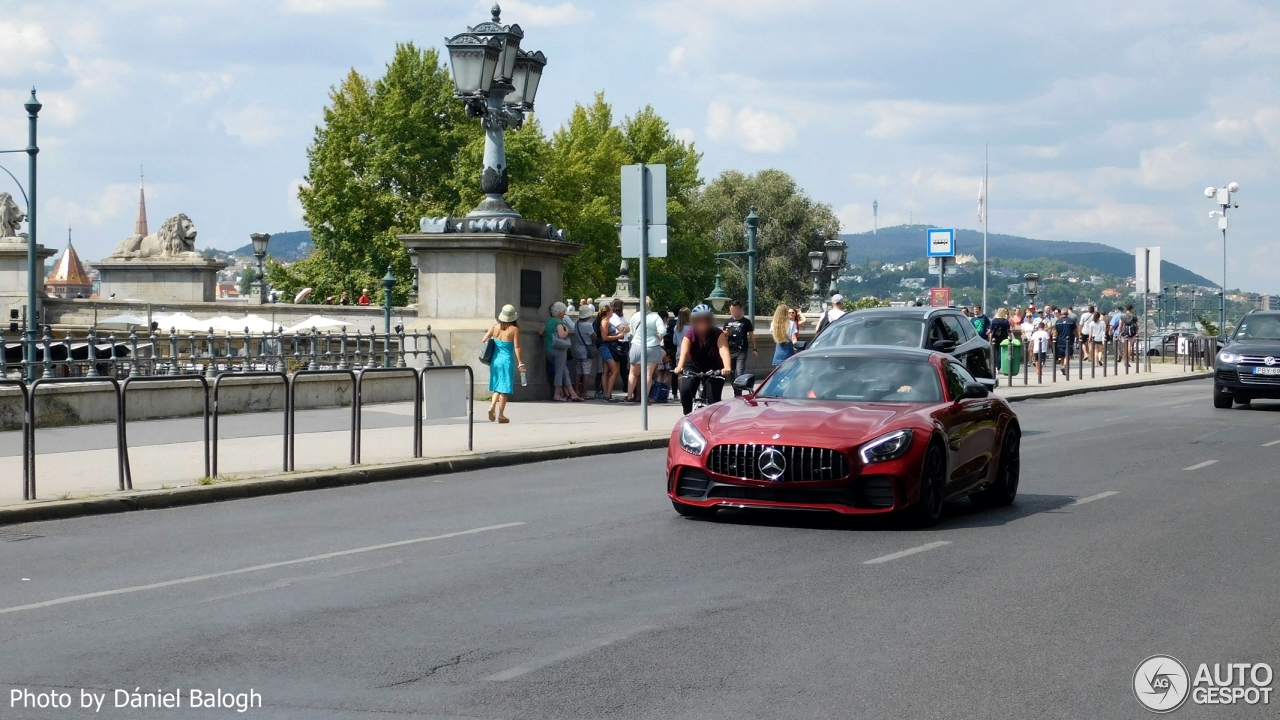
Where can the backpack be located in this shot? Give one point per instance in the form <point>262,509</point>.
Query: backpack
<point>659,393</point>
<point>1129,326</point>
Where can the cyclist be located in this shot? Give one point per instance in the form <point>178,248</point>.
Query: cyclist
<point>703,349</point>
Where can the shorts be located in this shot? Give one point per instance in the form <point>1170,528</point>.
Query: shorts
<point>1040,357</point>
<point>654,354</point>
<point>605,355</point>
<point>585,366</point>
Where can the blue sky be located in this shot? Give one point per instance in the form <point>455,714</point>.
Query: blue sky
<point>1105,120</point>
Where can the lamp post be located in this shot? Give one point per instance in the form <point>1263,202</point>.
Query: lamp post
<point>1175,306</point>
<point>834,250</point>
<point>1223,195</point>
<point>260,241</point>
<point>32,106</point>
<point>498,83</point>
<point>816,260</point>
<point>1031,286</point>
<point>752,227</point>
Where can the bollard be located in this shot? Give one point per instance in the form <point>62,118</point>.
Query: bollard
<point>342,362</point>
<point>315,350</point>
<point>399,339</point>
<point>133,352</point>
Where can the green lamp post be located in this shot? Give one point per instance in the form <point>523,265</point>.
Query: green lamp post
<point>718,296</point>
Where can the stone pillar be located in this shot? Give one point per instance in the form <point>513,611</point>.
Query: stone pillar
<point>13,274</point>
<point>464,279</point>
<point>160,280</point>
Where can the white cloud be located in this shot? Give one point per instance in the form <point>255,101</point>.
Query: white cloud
<point>526,13</point>
<point>114,207</point>
<point>198,86</point>
<point>759,131</point>
<point>253,124</point>
<point>325,7</point>
<point>24,48</point>
<point>295,204</point>
<point>684,135</point>
<point>859,217</point>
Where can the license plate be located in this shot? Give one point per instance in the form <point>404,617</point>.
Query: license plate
<point>1266,371</point>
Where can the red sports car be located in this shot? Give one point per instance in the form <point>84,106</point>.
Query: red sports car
<point>858,430</point>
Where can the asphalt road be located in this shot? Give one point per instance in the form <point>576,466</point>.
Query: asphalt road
<point>571,589</point>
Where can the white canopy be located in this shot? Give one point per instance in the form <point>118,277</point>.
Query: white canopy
<point>181,322</point>
<point>126,321</point>
<point>319,322</point>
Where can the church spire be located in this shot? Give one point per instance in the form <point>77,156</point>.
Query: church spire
<point>140,225</point>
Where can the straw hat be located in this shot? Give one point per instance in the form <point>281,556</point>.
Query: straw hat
<point>508,314</point>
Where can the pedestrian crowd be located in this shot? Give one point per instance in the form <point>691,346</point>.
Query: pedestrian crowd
<point>1060,332</point>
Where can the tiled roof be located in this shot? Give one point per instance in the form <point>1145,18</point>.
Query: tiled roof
<point>69,271</point>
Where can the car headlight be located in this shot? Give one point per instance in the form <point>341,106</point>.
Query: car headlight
<point>886,447</point>
<point>691,441</point>
<point>1229,358</point>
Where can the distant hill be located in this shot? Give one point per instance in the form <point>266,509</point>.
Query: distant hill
<point>903,243</point>
<point>286,246</point>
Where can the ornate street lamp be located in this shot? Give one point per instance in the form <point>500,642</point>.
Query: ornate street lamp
<point>835,250</point>
<point>718,296</point>
<point>1031,286</point>
<point>260,241</point>
<point>498,82</point>
<point>1222,196</point>
<point>816,260</point>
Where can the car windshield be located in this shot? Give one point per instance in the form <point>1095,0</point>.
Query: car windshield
<point>1259,327</point>
<point>873,330</point>
<point>854,379</point>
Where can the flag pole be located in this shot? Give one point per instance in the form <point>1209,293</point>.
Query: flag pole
<point>986,211</point>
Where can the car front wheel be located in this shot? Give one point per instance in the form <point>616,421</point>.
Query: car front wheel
<point>1008,471</point>
<point>933,477</point>
<point>1221,398</point>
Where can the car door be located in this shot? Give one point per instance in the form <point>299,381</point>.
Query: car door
<point>972,350</point>
<point>972,435</point>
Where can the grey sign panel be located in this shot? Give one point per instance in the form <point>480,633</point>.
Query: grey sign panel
<point>647,201</point>
<point>631,241</point>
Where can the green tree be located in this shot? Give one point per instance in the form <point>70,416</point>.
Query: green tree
<point>791,225</point>
<point>246,281</point>
<point>384,157</point>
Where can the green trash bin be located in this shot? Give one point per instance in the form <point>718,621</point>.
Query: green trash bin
<point>1010,356</point>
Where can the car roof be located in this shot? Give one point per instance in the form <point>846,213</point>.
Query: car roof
<point>916,312</point>
<point>882,351</point>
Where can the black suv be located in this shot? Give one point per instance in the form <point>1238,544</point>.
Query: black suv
<point>943,329</point>
<point>1249,366</point>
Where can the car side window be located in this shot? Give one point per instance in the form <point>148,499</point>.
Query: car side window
<point>962,333</point>
<point>936,331</point>
<point>957,378</point>
<point>948,331</point>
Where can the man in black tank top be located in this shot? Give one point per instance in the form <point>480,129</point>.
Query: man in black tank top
<point>704,348</point>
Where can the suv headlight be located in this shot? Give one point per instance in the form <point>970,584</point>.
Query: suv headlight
<point>886,447</point>
<point>691,441</point>
<point>1229,358</point>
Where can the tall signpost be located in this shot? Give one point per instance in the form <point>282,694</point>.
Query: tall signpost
<point>644,235</point>
<point>941,245</point>
<point>1146,275</point>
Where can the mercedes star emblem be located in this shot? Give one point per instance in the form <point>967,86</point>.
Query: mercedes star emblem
<point>772,464</point>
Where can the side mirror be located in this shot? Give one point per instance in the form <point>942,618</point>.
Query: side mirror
<point>744,382</point>
<point>974,391</point>
<point>944,346</point>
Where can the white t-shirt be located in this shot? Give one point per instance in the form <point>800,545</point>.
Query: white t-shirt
<point>791,330</point>
<point>654,328</point>
<point>1086,328</point>
<point>615,321</point>
<point>1099,330</point>
<point>1040,341</point>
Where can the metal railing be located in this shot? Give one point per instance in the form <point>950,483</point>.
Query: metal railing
<point>176,353</point>
<point>211,412</point>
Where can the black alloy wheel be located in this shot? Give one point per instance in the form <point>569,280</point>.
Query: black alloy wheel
<point>1008,472</point>
<point>933,478</point>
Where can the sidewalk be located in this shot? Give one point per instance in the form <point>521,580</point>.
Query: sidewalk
<point>1048,387</point>
<point>79,462</point>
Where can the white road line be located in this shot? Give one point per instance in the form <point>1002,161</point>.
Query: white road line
<point>1179,407</point>
<point>1273,442</point>
<point>1091,498</point>
<point>1204,464</point>
<point>253,568</point>
<point>583,649</point>
<point>904,553</point>
<point>1121,417</point>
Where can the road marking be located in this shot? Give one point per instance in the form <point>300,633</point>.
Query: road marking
<point>1273,442</point>
<point>1121,417</point>
<point>583,649</point>
<point>1204,464</point>
<point>904,553</point>
<point>1091,498</point>
<point>1179,407</point>
<point>253,568</point>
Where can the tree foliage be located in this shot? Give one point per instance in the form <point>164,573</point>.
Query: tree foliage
<point>791,225</point>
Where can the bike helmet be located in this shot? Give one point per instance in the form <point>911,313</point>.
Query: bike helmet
<point>701,309</point>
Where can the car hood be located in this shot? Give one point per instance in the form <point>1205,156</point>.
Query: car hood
<point>807,422</point>
<point>1262,348</point>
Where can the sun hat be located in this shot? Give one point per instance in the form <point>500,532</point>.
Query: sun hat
<point>508,314</point>
<point>587,312</point>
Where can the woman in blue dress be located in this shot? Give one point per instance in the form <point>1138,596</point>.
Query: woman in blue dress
<point>506,361</point>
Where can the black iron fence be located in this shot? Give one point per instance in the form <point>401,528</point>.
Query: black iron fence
<point>1018,361</point>
<point>107,382</point>
<point>175,353</point>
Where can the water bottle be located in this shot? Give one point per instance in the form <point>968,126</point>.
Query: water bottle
<point>524,379</point>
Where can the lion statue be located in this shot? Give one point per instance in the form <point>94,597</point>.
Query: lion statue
<point>176,238</point>
<point>11,217</point>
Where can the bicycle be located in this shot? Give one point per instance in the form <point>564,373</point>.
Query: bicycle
<point>700,396</point>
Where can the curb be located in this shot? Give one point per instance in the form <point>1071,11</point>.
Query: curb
<point>1069,391</point>
<point>313,480</point>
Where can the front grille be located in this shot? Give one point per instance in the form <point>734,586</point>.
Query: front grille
<point>1248,378</point>
<point>692,483</point>
<point>877,491</point>
<point>1257,359</point>
<point>1228,376</point>
<point>742,460</point>
<point>838,496</point>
